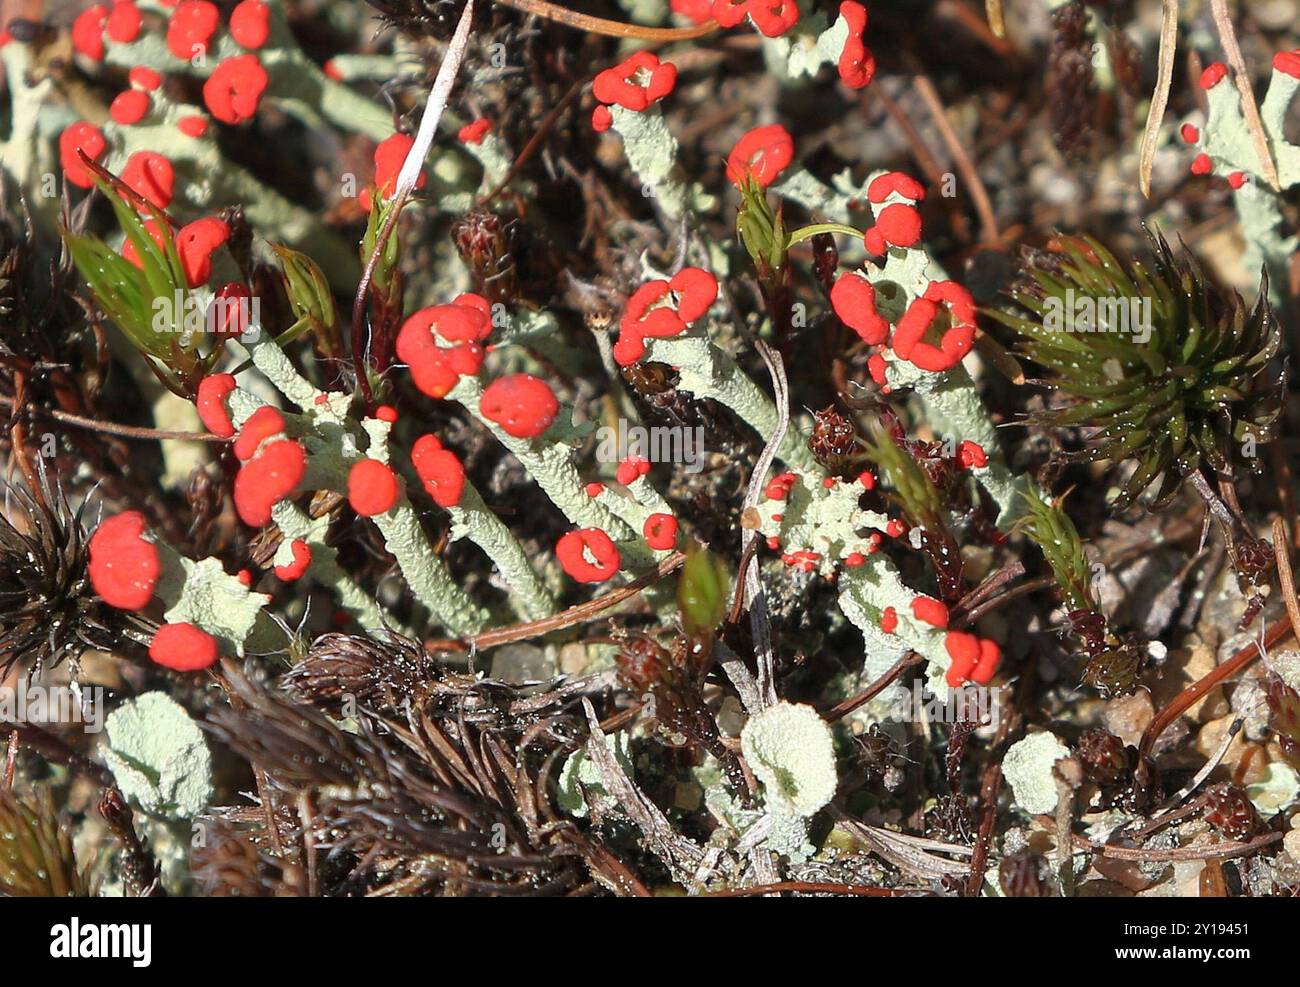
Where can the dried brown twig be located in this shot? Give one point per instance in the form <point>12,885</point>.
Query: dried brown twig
<point>112,428</point>
<point>578,614</point>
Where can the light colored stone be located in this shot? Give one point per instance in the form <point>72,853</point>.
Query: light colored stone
<point>573,658</point>
<point>1127,717</point>
<point>519,663</point>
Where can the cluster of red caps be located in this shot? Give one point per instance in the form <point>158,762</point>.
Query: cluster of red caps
<point>806,560</point>
<point>232,92</point>
<point>659,309</point>
<point>636,83</point>
<point>853,297</point>
<point>774,18</point>
<point>124,569</point>
<point>272,464</point>
<point>442,343</point>
<point>641,79</point>
<point>149,175</point>
<point>589,555</point>
<point>972,659</point>
<point>857,66</point>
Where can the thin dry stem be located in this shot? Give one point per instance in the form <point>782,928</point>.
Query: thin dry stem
<point>1159,98</point>
<point>1276,633</point>
<point>997,23</point>
<point>1285,575</point>
<point>965,167</point>
<point>610,29</point>
<point>574,615</point>
<point>874,689</point>
<point>112,428</point>
<point>1250,109</point>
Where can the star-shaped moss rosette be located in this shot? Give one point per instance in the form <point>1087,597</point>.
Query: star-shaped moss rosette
<point>1165,369</point>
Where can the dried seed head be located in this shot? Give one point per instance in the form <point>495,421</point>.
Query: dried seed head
<point>1231,812</point>
<point>1284,712</point>
<point>833,438</point>
<point>371,671</point>
<point>1103,756</point>
<point>486,243</point>
<point>642,663</point>
<point>1070,78</point>
<point>1021,876</point>
<point>1117,671</point>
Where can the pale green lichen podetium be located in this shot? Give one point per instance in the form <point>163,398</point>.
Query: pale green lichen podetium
<point>705,371</point>
<point>652,155</point>
<point>158,756</point>
<point>790,750</point>
<point>24,154</point>
<point>202,593</point>
<point>472,519</point>
<point>828,521</point>
<point>806,49</point>
<point>549,460</point>
<point>334,443</point>
<point>951,402</point>
<point>295,523</point>
<point>1030,770</point>
<point>1226,139</point>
